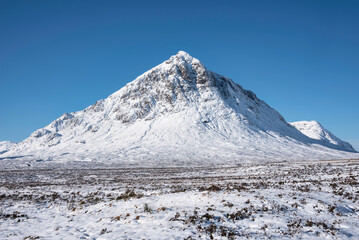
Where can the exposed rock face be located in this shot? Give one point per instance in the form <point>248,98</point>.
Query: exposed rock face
<point>178,112</point>
<point>168,87</point>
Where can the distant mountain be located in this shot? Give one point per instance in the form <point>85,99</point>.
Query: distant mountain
<point>177,113</point>
<point>5,146</point>
<point>316,131</point>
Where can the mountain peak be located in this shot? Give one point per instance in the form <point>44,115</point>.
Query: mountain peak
<point>178,111</point>
<point>183,58</point>
<point>183,53</point>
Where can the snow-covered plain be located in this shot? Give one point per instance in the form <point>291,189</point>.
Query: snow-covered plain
<point>308,200</point>
<point>178,113</point>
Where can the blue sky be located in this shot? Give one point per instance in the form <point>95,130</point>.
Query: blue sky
<point>301,57</point>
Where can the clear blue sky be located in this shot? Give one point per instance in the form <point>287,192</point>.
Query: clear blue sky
<point>301,57</point>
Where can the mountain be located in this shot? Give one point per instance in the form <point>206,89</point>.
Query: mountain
<point>5,146</point>
<point>177,113</point>
<point>316,131</point>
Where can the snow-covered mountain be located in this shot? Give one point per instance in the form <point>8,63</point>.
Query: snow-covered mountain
<point>316,131</point>
<point>5,146</point>
<point>176,113</point>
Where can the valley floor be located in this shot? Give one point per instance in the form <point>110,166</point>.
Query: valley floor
<point>306,200</point>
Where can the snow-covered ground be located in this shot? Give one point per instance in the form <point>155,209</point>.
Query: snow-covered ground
<point>302,200</point>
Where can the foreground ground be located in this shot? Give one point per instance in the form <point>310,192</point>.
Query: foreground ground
<point>269,201</point>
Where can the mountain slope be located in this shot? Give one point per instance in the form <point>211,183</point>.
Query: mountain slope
<point>176,113</point>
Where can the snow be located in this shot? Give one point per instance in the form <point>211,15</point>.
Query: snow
<point>254,201</point>
<point>177,113</point>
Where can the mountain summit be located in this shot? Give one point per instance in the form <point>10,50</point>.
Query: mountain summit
<point>177,113</point>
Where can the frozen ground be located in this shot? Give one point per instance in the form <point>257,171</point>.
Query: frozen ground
<point>256,201</point>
